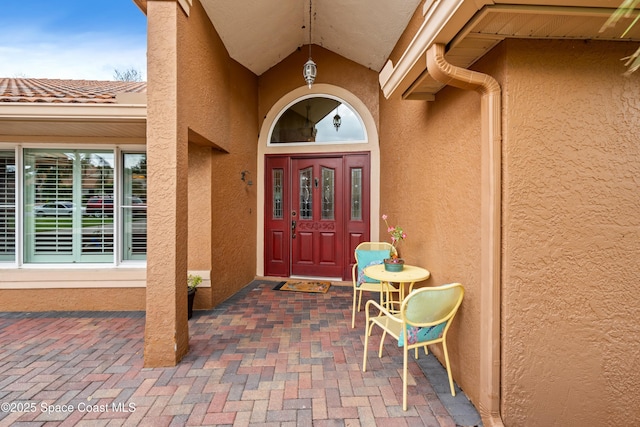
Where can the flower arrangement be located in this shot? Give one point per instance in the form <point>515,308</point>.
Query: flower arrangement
<point>193,281</point>
<point>396,233</point>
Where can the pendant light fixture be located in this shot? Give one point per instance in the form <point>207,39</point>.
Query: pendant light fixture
<point>310,70</point>
<point>337,120</point>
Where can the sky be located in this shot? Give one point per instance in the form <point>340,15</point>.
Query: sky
<point>72,39</point>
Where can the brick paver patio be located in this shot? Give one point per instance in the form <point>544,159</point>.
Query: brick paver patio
<point>263,358</point>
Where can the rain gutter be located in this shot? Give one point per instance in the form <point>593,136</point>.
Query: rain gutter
<point>57,111</point>
<point>443,19</point>
<point>490,297</point>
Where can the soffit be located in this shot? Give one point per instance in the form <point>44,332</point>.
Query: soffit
<point>99,121</point>
<point>96,131</point>
<point>261,33</point>
<point>494,23</point>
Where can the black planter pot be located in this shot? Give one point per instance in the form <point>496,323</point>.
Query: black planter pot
<point>190,296</point>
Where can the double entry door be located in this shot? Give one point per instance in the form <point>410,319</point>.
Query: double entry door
<point>316,213</point>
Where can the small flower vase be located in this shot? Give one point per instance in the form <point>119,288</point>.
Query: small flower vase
<point>393,264</point>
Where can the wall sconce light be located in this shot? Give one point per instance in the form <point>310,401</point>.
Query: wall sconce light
<point>244,176</point>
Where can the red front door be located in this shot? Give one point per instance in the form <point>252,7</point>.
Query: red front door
<point>316,212</point>
<point>316,215</point>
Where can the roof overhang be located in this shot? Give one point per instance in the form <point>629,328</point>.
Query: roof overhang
<point>471,28</point>
<point>73,120</point>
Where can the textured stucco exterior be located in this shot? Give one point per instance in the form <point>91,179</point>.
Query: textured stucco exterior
<point>569,225</point>
<point>200,97</point>
<point>332,69</point>
<point>430,174</point>
<point>572,235</point>
<point>570,228</point>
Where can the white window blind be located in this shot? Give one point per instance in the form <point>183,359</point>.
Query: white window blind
<point>134,206</point>
<point>7,205</point>
<point>97,185</point>
<point>60,186</point>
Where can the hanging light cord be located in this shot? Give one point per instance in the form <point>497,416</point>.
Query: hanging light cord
<point>310,1</point>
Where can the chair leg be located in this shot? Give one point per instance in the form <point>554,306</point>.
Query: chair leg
<point>353,311</point>
<point>384,335</point>
<point>367,328</point>
<point>404,377</point>
<point>370,329</point>
<point>426,351</point>
<point>448,366</point>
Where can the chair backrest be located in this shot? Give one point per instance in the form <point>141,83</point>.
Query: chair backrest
<point>432,305</point>
<point>370,253</point>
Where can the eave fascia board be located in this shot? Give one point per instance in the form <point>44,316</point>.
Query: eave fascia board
<point>28,111</point>
<point>186,6</point>
<point>442,21</point>
<point>447,22</point>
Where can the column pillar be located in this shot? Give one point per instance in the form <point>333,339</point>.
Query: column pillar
<point>166,338</point>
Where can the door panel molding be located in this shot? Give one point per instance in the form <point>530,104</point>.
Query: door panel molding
<point>306,244</point>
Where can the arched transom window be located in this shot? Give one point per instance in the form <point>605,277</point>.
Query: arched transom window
<point>318,119</point>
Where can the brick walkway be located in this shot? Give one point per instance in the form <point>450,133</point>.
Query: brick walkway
<point>263,358</point>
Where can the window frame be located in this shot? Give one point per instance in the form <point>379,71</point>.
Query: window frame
<point>274,123</point>
<point>117,260</point>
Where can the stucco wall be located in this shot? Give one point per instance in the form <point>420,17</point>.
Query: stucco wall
<point>332,69</point>
<point>197,96</point>
<point>430,173</point>
<point>571,235</point>
<point>218,101</point>
<point>570,225</point>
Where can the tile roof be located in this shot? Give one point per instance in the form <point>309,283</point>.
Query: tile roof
<point>65,91</point>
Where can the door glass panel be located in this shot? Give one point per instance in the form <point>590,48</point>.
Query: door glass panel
<point>276,179</point>
<point>306,194</point>
<point>328,193</point>
<point>356,194</point>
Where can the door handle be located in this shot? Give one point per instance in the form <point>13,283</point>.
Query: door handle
<point>293,229</point>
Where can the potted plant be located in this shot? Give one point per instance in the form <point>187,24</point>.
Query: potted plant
<point>192,283</point>
<point>394,263</point>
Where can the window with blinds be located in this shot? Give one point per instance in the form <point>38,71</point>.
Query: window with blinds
<point>134,206</point>
<point>97,192</point>
<point>7,205</point>
<point>72,213</point>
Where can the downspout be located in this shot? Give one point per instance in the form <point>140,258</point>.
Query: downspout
<point>491,163</point>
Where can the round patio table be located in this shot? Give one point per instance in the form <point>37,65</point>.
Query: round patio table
<point>410,274</point>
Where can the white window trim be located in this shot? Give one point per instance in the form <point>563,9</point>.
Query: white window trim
<point>118,262</point>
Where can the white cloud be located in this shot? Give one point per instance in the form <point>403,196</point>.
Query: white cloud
<point>91,56</point>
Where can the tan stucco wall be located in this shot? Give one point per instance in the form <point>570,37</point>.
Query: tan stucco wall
<point>197,96</point>
<point>572,235</point>
<point>166,330</point>
<point>218,101</point>
<point>332,69</point>
<point>430,173</point>
<point>570,225</point>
